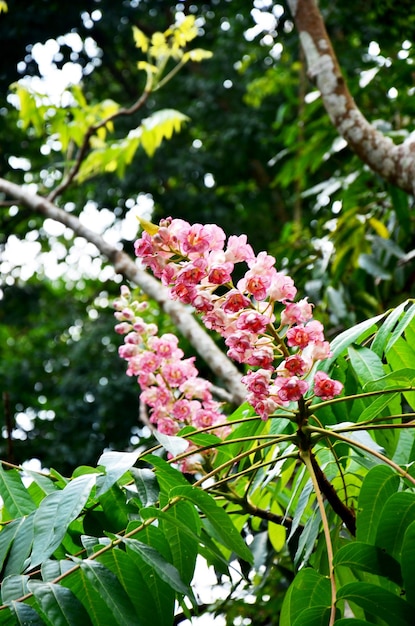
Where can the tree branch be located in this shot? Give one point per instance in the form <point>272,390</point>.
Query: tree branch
<point>123,264</point>
<point>394,163</point>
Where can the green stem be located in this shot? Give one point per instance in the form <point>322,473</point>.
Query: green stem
<point>361,446</point>
<point>306,457</point>
<point>359,396</point>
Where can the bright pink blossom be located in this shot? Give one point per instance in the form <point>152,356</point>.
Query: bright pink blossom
<point>325,387</point>
<point>290,389</point>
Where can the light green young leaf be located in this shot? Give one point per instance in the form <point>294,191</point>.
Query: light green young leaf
<point>147,486</point>
<point>352,335</point>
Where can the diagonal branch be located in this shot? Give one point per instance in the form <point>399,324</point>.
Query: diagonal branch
<point>394,163</point>
<point>181,316</point>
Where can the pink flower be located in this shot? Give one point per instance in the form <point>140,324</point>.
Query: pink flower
<point>325,387</point>
<point>294,365</point>
<point>238,249</point>
<point>235,301</point>
<point>297,312</point>
<point>258,382</point>
<point>252,321</point>
<point>220,274</point>
<point>298,336</point>
<point>195,240</point>
<point>282,288</point>
<point>255,284</point>
<point>290,389</point>
<point>264,407</point>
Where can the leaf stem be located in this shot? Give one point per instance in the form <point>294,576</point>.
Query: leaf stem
<point>307,459</point>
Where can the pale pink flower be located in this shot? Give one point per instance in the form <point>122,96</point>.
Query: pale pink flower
<point>297,312</point>
<point>318,351</point>
<point>238,249</point>
<point>184,410</point>
<point>326,388</point>
<point>167,426</point>
<point>282,288</point>
<point>262,356</point>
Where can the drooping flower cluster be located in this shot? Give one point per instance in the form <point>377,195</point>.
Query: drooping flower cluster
<point>197,263</point>
<point>170,384</point>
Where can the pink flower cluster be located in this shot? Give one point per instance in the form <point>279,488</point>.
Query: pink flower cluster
<point>197,263</point>
<point>170,384</point>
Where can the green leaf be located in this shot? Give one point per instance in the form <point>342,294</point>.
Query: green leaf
<point>351,621</point>
<point>102,594</point>
<point>382,335</point>
<point>309,589</point>
<point>59,604</point>
<point>378,601</point>
<point>116,464</point>
<point>368,558</point>
<point>408,563</point>
<point>184,546</point>
<point>404,322</point>
<point>164,570</point>
<point>26,615</point>
<point>345,339</point>
<point>8,617</point>
<point>173,444</point>
<point>135,585</point>
<point>22,544</point>
<point>162,594</point>
<point>55,513</point>
<point>220,521</point>
<point>396,516</point>
<point>13,588</point>
<point>147,486</point>
<point>367,365</point>
<point>314,616</point>
<point>379,484</point>
<point>14,494</point>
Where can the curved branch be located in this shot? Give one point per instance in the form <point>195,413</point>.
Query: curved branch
<point>123,264</point>
<point>394,163</point>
